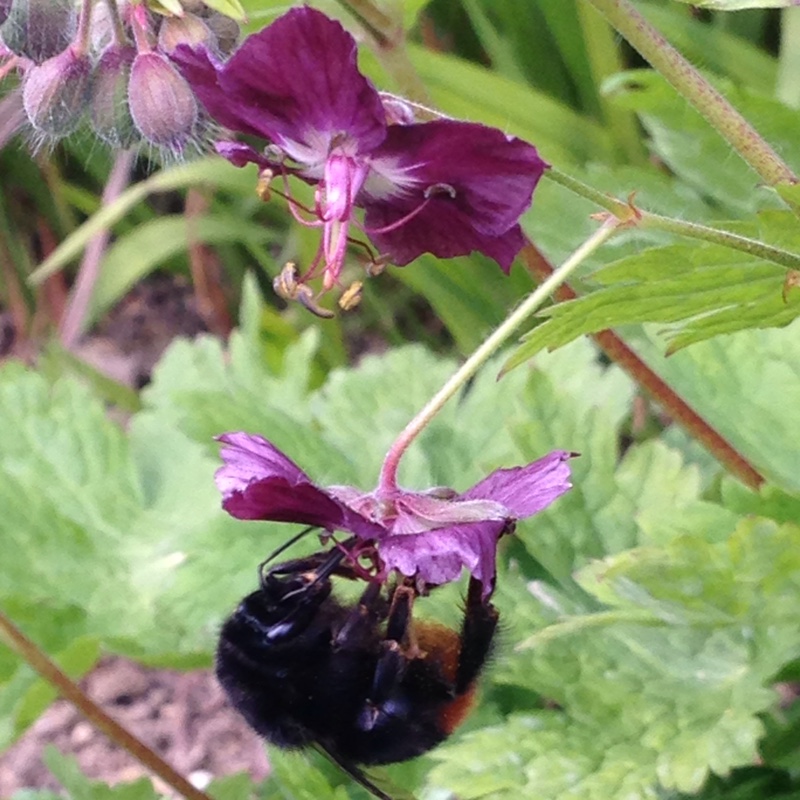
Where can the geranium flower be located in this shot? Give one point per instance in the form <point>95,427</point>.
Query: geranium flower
<point>428,535</point>
<point>444,187</point>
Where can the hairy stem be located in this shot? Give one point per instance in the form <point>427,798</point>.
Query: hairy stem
<point>691,230</point>
<point>687,80</point>
<point>70,690</point>
<point>388,477</point>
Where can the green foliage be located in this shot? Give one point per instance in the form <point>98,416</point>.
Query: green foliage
<point>649,615</point>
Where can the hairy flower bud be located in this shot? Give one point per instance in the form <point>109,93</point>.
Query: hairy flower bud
<point>161,102</point>
<point>55,93</point>
<point>189,30</point>
<point>110,113</point>
<point>39,29</point>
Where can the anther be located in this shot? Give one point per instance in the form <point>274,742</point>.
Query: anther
<point>440,188</point>
<point>351,296</point>
<point>263,185</point>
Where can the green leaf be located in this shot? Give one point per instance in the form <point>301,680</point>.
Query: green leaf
<point>710,289</point>
<point>212,170</point>
<point>23,695</point>
<point>737,5</point>
<point>148,246</point>
<point>230,8</point>
<point>683,139</point>
<point>79,787</point>
<point>714,47</point>
<point>745,386</point>
<point>660,685</point>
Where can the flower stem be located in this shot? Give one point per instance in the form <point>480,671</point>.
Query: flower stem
<point>388,477</point>
<point>68,689</point>
<point>687,80</point>
<point>629,361</point>
<point>691,230</point>
<point>81,45</point>
<point>80,298</point>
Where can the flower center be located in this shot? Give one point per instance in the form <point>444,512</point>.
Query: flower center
<point>334,200</point>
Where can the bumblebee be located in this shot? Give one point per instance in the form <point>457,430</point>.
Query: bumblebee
<point>367,683</point>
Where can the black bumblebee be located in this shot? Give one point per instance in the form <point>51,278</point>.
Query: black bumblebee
<point>367,684</point>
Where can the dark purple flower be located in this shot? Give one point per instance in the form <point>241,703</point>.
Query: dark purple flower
<point>431,535</point>
<point>444,187</point>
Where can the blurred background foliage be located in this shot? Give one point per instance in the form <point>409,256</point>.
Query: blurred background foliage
<point>650,614</point>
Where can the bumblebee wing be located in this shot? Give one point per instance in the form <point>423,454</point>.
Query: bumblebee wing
<point>377,785</point>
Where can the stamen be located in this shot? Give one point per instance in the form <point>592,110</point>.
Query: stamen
<point>263,185</point>
<point>402,221</point>
<point>351,296</point>
<point>286,284</point>
<point>307,299</point>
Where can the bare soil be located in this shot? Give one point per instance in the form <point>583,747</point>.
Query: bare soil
<point>184,717</point>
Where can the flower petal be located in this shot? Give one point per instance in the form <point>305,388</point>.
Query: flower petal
<point>258,481</point>
<point>526,490</point>
<point>485,178</point>
<point>296,82</point>
<point>202,71</point>
<point>438,557</point>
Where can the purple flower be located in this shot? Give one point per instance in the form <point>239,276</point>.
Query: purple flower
<point>444,187</point>
<point>430,535</point>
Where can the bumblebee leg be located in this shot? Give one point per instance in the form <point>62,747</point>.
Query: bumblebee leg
<point>477,633</point>
<point>368,612</point>
<point>393,659</point>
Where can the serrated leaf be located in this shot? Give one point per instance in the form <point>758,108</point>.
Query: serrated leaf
<point>662,700</point>
<point>709,289</point>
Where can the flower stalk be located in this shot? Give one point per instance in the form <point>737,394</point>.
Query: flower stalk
<point>388,478</point>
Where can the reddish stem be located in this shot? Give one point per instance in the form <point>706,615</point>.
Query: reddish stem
<point>659,390</point>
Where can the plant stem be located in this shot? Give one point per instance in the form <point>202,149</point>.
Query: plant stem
<point>388,477</point>
<point>70,690</point>
<point>389,39</point>
<point>89,270</point>
<point>736,130</point>
<point>82,43</point>
<point>691,230</point>
<point>629,361</point>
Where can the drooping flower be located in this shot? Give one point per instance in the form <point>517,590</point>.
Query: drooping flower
<point>444,187</point>
<point>431,536</point>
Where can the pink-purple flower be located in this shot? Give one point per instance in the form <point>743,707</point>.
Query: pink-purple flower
<point>444,187</point>
<point>431,536</point>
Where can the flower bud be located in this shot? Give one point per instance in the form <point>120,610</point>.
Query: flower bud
<point>161,102</point>
<point>55,93</point>
<point>188,29</point>
<point>39,29</point>
<point>111,115</point>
